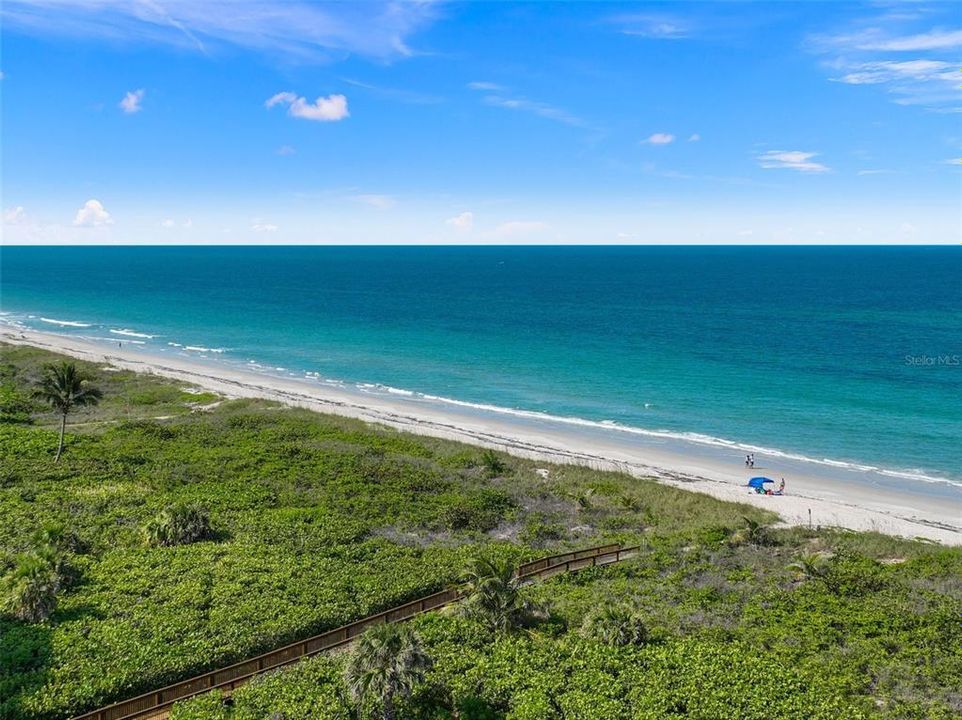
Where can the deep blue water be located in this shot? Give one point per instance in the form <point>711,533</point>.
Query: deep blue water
<point>805,350</point>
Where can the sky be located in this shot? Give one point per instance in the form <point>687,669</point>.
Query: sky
<point>290,122</point>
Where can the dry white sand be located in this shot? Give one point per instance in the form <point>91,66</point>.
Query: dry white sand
<point>825,502</point>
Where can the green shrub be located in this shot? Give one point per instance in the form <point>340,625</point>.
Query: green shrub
<point>30,588</point>
<point>178,524</point>
<point>493,464</point>
<point>615,625</point>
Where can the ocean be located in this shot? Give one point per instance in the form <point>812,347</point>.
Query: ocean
<point>840,357</point>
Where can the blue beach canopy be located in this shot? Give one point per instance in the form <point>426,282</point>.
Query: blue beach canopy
<point>759,482</point>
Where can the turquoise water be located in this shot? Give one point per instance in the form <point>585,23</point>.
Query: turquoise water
<point>846,356</point>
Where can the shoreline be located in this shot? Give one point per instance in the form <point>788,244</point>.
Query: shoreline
<point>826,502</point>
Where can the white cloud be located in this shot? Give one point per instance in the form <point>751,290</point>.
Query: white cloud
<point>92,214</point>
<point>694,137</point>
<point>286,150</point>
<point>874,172</point>
<point>792,160</point>
<point>381,202</point>
<point>188,224</point>
<point>520,227</point>
<point>659,139</point>
<point>462,221</point>
<point>264,227</point>
<point>131,101</point>
<point>15,216</point>
<point>294,29</point>
<point>324,109</point>
<point>168,223</point>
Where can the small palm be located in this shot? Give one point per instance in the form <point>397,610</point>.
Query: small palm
<point>30,588</point>
<point>752,532</point>
<point>494,595</point>
<point>809,566</point>
<point>388,661</point>
<point>64,387</point>
<point>615,625</point>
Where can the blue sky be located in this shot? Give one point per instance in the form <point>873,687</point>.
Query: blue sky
<point>202,121</point>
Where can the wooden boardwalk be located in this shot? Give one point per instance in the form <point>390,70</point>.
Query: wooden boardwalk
<point>155,705</point>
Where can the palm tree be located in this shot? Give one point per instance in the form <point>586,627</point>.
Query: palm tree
<point>615,625</point>
<point>388,661</point>
<point>494,595</point>
<point>63,387</point>
<point>493,464</point>
<point>30,588</point>
<point>752,532</point>
<point>178,524</point>
<point>810,566</point>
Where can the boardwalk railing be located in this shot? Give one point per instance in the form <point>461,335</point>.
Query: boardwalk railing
<point>228,678</point>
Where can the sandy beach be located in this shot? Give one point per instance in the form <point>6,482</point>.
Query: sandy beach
<point>811,497</point>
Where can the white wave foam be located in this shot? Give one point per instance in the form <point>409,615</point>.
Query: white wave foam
<point>131,333</point>
<point>614,426</point>
<point>200,349</point>
<point>693,437</point>
<point>65,323</point>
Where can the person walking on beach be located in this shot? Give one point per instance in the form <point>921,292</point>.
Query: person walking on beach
<point>751,460</point>
<point>748,461</point>
<point>781,487</point>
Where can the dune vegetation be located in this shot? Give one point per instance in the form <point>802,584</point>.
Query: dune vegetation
<point>180,531</point>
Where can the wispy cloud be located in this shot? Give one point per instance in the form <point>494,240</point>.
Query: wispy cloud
<point>284,150</point>
<point>932,40</point>
<point>131,101</point>
<point>890,71</point>
<point>263,227</point>
<point>324,109</point>
<point>15,216</point>
<point>549,112</point>
<point>380,202</point>
<point>655,26</point>
<point>659,139</point>
<point>409,97</point>
<point>462,221</point>
<point>490,86</point>
<point>791,160</point>
<point>297,29</point>
<point>504,99</point>
<point>872,51</point>
<point>520,227</point>
<point>694,137</point>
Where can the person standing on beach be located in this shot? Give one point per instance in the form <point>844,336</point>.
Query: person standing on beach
<point>781,487</point>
